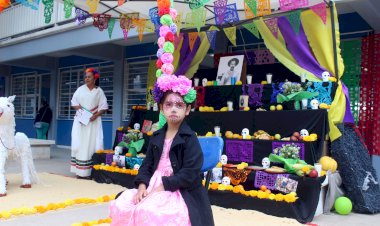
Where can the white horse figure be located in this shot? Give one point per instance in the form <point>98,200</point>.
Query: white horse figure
<point>16,146</point>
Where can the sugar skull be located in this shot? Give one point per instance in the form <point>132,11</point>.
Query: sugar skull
<point>304,133</point>
<point>314,104</point>
<point>204,82</point>
<point>325,76</point>
<point>265,162</point>
<point>223,159</point>
<point>118,150</point>
<point>245,133</point>
<point>136,126</point>
<point>226,181</point>
<point>136,167</point>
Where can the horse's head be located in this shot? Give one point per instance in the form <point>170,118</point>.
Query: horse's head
<point>7,110</point>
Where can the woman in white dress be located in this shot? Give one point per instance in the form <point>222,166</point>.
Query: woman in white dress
<point>86,139</point>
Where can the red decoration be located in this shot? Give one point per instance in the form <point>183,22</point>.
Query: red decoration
<point>169,37</point>
<point>163,3</point>
<point>369,118</point>
<point>158,63</point>
<point>163,11</point>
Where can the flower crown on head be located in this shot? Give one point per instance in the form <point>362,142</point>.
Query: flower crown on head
<point>94,72</point>
<point>177,84</point>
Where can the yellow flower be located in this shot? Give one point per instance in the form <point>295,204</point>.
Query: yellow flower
<point>16,211</point>
<point>264,82</point>
<point>221,187</point>
<point>5,215</point>
<point>290,198</point>
<point>253,193</point>
<point>214,186</point>
<point>305,169</point>
<point>279,197</point>
<point>272,196</point>
<point>261,195</point>
<point>229,187</point>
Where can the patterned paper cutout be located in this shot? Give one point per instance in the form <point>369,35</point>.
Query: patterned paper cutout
<point>178,22</point>
<point>231,34</point>
<point>272,25</point>
<point>263,7</point>
<point>154,17</point>
<point>141,27</point>
<point>192,37</point>
<point>68,7</point>
<point>149,26</point>
<point>251,27</point>
<point>101,21</point>
<point>287,5</point>
<point>263,56</point>
<point>120,2</point>
<point>211,35</point>
<point>219,10</point>
<point>196,4</point>
<point>30,3</point>
<point>230,16</point>
<point>197,18</point>
<point>252,4</point>
<point>295,20</point>
<point>48,10</point>
<point>239,150</point>
<point>93,5</point>
<point>125,34</point>
<point>111,25</point>
<point>125,22</point>
<point>320,10</point>
<point>248,12</point>
<point>81,15</point>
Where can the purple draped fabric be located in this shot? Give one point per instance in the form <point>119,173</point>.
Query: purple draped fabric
<point>298,46</point>
<point>186,55</point>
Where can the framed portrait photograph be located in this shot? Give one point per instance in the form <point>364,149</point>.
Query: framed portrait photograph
<point>230,70</point>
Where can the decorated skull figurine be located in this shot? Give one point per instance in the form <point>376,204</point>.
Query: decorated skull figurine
<point>118,150</point>
<point>314,104</point>
<point>136,167</point>
<point>226,181</point>
<point>223,159</point>
<point>136,126</point>
<point>204,82</point>
<point>244,133</point>
<point>304,133</point>
<point>325,76</point>
<point>265,162</point>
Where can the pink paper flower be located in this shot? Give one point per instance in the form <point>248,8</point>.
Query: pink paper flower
<point>166,82</point>
<point>173,13</point>
<point>167,68</point>
<point>167,58</point>
<point>160,42</point>
<point>183,85</point>
<point>164,30</point>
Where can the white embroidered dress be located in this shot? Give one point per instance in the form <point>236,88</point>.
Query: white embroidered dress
<point>86,139</point>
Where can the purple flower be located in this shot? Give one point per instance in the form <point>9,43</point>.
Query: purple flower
<point>157,93</point>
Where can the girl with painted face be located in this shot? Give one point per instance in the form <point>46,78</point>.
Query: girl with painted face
<point>169,184</point>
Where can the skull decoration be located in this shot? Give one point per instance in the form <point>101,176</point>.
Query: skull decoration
<point>204,82</point>
<point>226,181</point>
<point>244,133</point>
<point>223,159</point>
<point>136,126</point>
<point>265,162</point>
<point>136,167</point>
<point>304,133</point>
<point>314,104</point>
<point>325,76</point>
<point>118,150</point>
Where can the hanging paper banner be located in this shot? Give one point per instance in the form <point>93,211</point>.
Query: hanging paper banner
<point>320,10</point>
<point>178,22</point>
<point>263,7</point>
<point>219,10</point>
<point>101,21</point>
<point>140,28</point>
<point>81,16</point>
<point>120,2</point>
<point>149,26</point>
<point>125,22</point>
<point>231,15</point>
<point>30,3</point>
<point>68,7</point>
<point>154,17</point>
<point>251,27</point>
<point>248,12</point>
<point>263,56</point>
<point>213,28</point>
<point>287,5</point>
<point>192,37</point>
<point>295,20</point>
<point>125,34</point>
<point>111,25</point>
<point>93,5</point>
<point>252,5</point>
<point>199,18</point>
<point>272,25</point>
<point>196,4</point>
<point>231,34</point>
<point>48,10</point>
<point>211,35</point>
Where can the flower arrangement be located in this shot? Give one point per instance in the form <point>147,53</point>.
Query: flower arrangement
<point>53,206</point>
<point>294,92</point>
<point>288,151</point>
<point>291,87</point>
<point>261,194</point>
<point>115,169</point>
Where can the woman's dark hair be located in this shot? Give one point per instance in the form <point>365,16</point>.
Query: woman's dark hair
<point>169,92</point>
<point>233,59</point>
<point>97,82</point>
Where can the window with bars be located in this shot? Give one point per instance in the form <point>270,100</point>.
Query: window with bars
<point>135,84</point>
<point>71,78</point>
<point>27,88</point>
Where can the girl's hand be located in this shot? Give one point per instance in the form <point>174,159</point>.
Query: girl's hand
<point>141,194</point>
<point>93,117</point>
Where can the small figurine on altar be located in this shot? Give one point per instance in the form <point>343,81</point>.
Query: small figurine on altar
<point>226,181</point>
<point>304,133</point>
<point>325,76</point>
<point>223,159</point>
<point>136,127</point>
<point>314,104</point>
<point>245,134</point>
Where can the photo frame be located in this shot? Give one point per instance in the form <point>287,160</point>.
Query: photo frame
<point>231,69</point>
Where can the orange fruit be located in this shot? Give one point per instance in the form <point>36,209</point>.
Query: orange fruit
<point>113,164</point>
<point>263,188</point>
<point>228,134</point>
<point>268,191</point>
<point>236,136</point>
